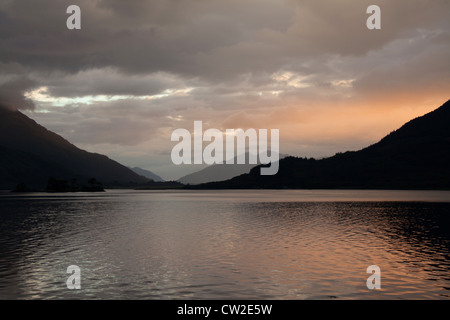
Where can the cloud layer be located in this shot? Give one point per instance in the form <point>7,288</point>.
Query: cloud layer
<point>139,69</point>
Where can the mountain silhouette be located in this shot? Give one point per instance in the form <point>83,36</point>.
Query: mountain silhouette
<point>148,174</point>
<point>416,156</point>
<point>216,172</point>
<point>30,154</point>
<point>220,172</point>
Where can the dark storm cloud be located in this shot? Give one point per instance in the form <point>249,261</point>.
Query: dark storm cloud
<point>214,39</point>
<point>12,94</point>
<point>132,47</point>
<point>110,82</point>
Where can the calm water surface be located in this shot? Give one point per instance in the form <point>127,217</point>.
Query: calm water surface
<point>226,244</point>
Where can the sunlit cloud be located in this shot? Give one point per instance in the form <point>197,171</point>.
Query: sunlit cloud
<point>171,92</point>
<point>41,95</point>
<point>343,83</point>
<point>291,79</point>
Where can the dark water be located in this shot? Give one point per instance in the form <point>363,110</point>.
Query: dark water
<point>229,245</point>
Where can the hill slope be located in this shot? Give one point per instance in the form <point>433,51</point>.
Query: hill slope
<point>148,174</point>
<point>216,172</point>
<point>416,156</point>
<point>31,154</point>
<point>220,172</point>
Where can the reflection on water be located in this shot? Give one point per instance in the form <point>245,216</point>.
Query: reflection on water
<point>229,245</point>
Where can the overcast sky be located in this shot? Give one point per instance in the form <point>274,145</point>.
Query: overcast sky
<point>139,69</point>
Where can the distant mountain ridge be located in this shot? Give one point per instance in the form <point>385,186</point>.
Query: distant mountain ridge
<point>416,156</point>
<point>30,154</point>
<point>148,174</point>
<point>219,172</point>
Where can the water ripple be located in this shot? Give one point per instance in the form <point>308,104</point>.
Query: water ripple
<point>154,245</point>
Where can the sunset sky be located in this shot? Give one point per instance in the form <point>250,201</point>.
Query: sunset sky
<point>139,69</point>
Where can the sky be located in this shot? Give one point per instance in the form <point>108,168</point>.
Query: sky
<point>137,70</point>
